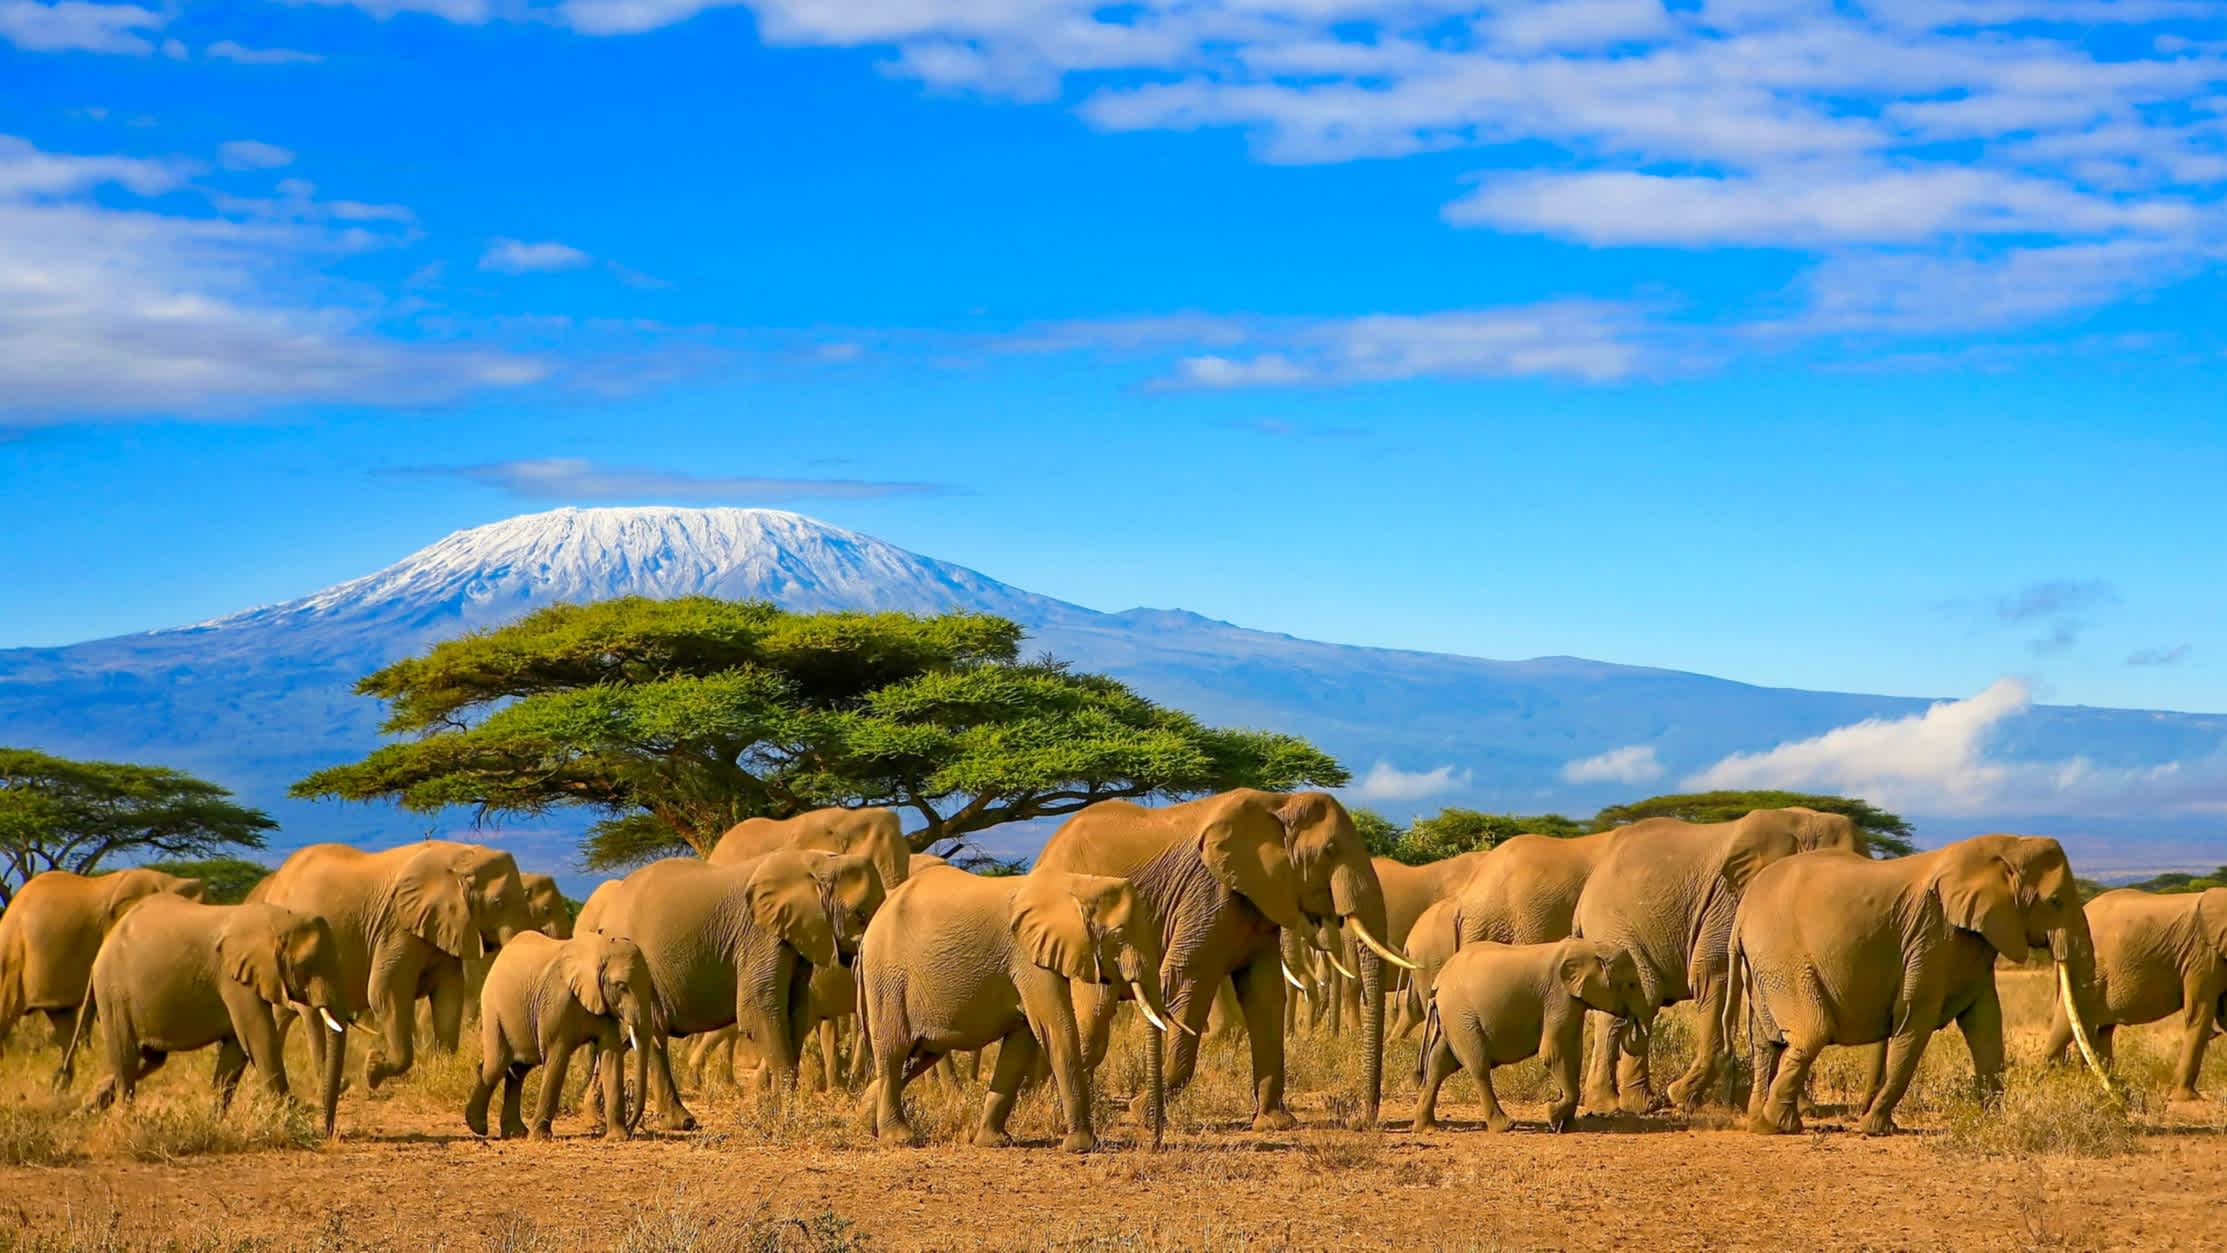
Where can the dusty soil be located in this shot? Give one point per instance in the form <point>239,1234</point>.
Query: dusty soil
<point>407,1175</point>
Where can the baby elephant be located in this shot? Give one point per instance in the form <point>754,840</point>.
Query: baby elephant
<point>176,975</point>
<point>545,998</point>
<point>1494,1004</point>
<point>956,961</point>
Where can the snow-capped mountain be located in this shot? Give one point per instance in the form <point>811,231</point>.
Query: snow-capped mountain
<point>259,698</point>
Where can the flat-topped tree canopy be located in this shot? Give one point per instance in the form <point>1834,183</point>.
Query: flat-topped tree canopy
<point>677,719</point>
<point>90,816</point>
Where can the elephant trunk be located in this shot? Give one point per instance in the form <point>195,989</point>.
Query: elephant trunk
<point>1156,1093</point>
<point>1365,925</point>
<point>336,1061</point>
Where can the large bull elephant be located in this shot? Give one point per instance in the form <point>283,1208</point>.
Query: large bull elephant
<point>176,975</point>
<point>737,944</point>
<point>1222,874</point>
<point>1665,891</point>
<point>956,961</point>
<point>52,931</point>
<point>874,834</point>
<point>1837,949</point>
<point>405,921</point>
<point>2156,956</point>
<point>1525,890</point>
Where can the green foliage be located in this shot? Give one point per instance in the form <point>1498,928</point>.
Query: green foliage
<point>2175,883</point>
<point>1379,834</point>
<point>224,880</point>
<point>1889,834</point>
<point>58,814</point>
<point>674,720</point>
<point>1454,831</point>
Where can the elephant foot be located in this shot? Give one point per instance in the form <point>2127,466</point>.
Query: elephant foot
<point>2184,1094</point>
<point>1766,1123</point>
<point>539,1131</point>
<point>1498,1122</point>
<point>992,1138</point>
<point>611,1134</point>
<point>898,1133</point>
<point>676,1120</point>
<point>1078,1142</point>
<point>478,1125</point>
<point>1685,1095</point>
<point>1877,1125</point>
<point>1423,1122</point>
<point>1642,1101</point>
<point>1600,1101</point>
<point>1559,1117</point>
<point>1278,1119</point>
<point>597,1128</point>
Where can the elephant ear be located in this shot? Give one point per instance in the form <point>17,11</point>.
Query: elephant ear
<point>432,902</point>
<point>1244,846</point>
<point>583,975</point>
<point>2211,915</point>
<point>1583,974</point>
<point>785,899</point>
<point>1758,840</point>
<point>248,952</point>
<point>1052,926</point>
<point>1981,895</point>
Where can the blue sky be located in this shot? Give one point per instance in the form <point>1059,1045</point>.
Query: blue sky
<point>1867,347</point>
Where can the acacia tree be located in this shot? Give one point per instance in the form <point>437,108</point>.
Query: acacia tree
<point>59,814</point>
<point>673,720</point>
<point>1453,831</point>
<point>1888,833</point>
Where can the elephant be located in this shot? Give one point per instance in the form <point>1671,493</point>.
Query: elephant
<point>873,833</point>
<point>1409,890</point>
<point>52,930</point>
<point>1833,948</point>
<point>1525,890</point>
<point>957,961</point>
<point>406,920</point>
<point>545,904</point>
<point>1430,945</point>
<point>177,975</point>
<point>737,944</point>
<point>1496,1004</point>
<point>1665,891</point>
<point>544,998</point>
<point>2155,955</point>
<point>1222,874</point>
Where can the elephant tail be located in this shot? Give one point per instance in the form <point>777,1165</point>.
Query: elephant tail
<point>65,1072</point>
<point>865,1045</point>
<point>1432,1030</point>
<point>1736,979</point>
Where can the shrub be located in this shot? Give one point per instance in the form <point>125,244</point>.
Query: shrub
<point>2050,1111</point>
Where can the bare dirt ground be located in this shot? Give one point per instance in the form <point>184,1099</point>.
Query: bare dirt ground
<point>2053,1167</point>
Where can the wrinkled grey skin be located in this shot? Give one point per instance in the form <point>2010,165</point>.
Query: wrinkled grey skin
<point>52,930</point>
<point>2156,956</point>
<point>1496,1004</point>
<point>176,975</point>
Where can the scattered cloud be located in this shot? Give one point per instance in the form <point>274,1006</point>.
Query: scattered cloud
<point>226,50</point>
<point>79,26</point>
<point>1937,762</point>
<point>579,479</point>
<point>2052,597</point>
<point>1634,763</point>
<point>513,256</point>
<point>1387,782</point>
<point>110,309</point>
<point>251,154</point>
<point>2163,655</point>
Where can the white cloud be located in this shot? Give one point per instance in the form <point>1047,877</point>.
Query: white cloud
<point>227,50</point>
<point>1937,762</point>
<point>78,26</point>
<point>1387,782</point>
<point>253,154</point>
<point>512,256</point>
<point>1634,763</point>
<point>117,311</point>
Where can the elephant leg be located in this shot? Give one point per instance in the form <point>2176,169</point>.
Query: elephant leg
<point>556,1059</point>
<point>63,1024</point>
<point>2058,1047</point>
<point>1049,1005</point>
<point>1782,1107</point>
<point>1982,1027</point>
<point>892,1070</point>
<point>1017,1055</point>
<point>1439,1065</point>
<point>1260,991</point>
<point>231,1061</point>
<point>671,1114</point>
<point>1635,1090</point>
<point>494,1063</point>
<point>830,1064</point>
<point>700,1050</point>
<point>447,997</point>
<point>1689,1090</point>
<point>1764,1056</point>
<point>514,1097</point>
<point>1187,1004</point>
<point>1904,1048</point>
<point>605,1061</point>
<point>143,1062</point>
<point>1600,1066</point>
<point>392,999</point>
<point>2197,1020</point>
<point>1095,1008</point>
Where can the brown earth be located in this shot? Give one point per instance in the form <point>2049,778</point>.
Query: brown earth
<point>2063,1171</point>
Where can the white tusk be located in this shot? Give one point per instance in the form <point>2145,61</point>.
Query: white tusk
<point>1337,965</point>
<point>2080,1027</point>
<point>1291,978</point>
<point>1377,947</point>
<point>632,1041</point>
<point>331,1021</point>
<point>1145,1007</point>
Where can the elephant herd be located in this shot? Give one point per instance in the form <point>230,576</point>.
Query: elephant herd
<point>1780,922</point>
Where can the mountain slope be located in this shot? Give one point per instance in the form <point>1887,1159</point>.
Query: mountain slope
<point>257,699</point>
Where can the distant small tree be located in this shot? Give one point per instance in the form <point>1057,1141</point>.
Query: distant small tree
<point>224,880</point>
<point>2177,883</point>
<point>86,816</point>
<point>674,720</point>
<point>1453,831</point>
<point>1888,833</point>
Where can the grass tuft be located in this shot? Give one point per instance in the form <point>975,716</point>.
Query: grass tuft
<point>2061,1113</point>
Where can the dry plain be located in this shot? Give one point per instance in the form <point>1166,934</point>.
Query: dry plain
<point>2053,1166</point>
